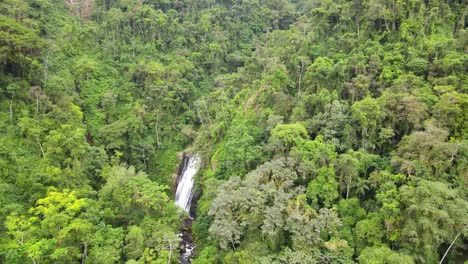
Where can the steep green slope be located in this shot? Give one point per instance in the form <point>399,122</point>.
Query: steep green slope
<point>341,140</point>
<point>97,98</point>
<point>331,131</point>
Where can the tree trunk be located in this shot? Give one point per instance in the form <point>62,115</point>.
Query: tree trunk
<point>347,188</point>
<point>46,69</point>
<point>448,249</point>
<point>42,150</point>
<point>37,104</point>
<point>170,253</point>
<point>156,128</point>
<point>357,24</point>
<point>144,159</point>
<point>11,109</point>
<point>85,254</point>
<point>301,71</point>
<point>386,25</point>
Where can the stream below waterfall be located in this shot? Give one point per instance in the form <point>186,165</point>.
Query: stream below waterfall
<point>183,199</point>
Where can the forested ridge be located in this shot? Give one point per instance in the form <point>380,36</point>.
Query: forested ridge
<point>329,131</point>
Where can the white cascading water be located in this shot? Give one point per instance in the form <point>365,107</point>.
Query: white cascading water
<point>184,191</point>
<point>183,199</point>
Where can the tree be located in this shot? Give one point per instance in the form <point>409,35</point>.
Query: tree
<point>350,211</point>
<point>433,213</point>
<point>239,153</point>
<point>367,113</point>
<point>403,112</point>
<point>107,243</point>
<point>53,230</point>
<point>331,123</point>
<point>225,227</point>
<point>449,114</point>
<point>20,45</point>
<point>369,232</point>
<point>389,197</point>
<point>383,255</point>
<point>347,170</point>
<point>315,153</point>
<point>129,196</point>
<point>306,225</point>
<point>288,135</point>
<point>293,105</point>
<point>323,190</point>
<point>428,155</point>
<point>320,73</point>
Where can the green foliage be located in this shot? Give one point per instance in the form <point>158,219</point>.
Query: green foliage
<point>207,256</point>
<point>323,190</point>
<point>52,230</point>
<point>330,131</point>
<point>290,135</point>
<point>267,200</point>
<point>383,255</point>
<point>239,154</point>
<point>431,209</point>
<point>350,211</point>
<point>427,154</point>
<point>367,113</point>
<point>369,232</point>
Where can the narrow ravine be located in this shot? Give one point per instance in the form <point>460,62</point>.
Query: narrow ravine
<point>183,199</point>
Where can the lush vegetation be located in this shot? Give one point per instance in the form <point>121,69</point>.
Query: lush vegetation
<point>330,131</point>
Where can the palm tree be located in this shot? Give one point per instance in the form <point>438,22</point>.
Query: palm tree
<point>360,186</point>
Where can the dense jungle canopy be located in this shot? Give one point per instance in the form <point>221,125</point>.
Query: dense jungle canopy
<point>330,131</point>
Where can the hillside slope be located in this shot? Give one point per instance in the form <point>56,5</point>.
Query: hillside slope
<point>330,131</point>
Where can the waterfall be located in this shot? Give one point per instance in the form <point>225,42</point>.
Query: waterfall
<point>183,199</point>
<point>184,191</point>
